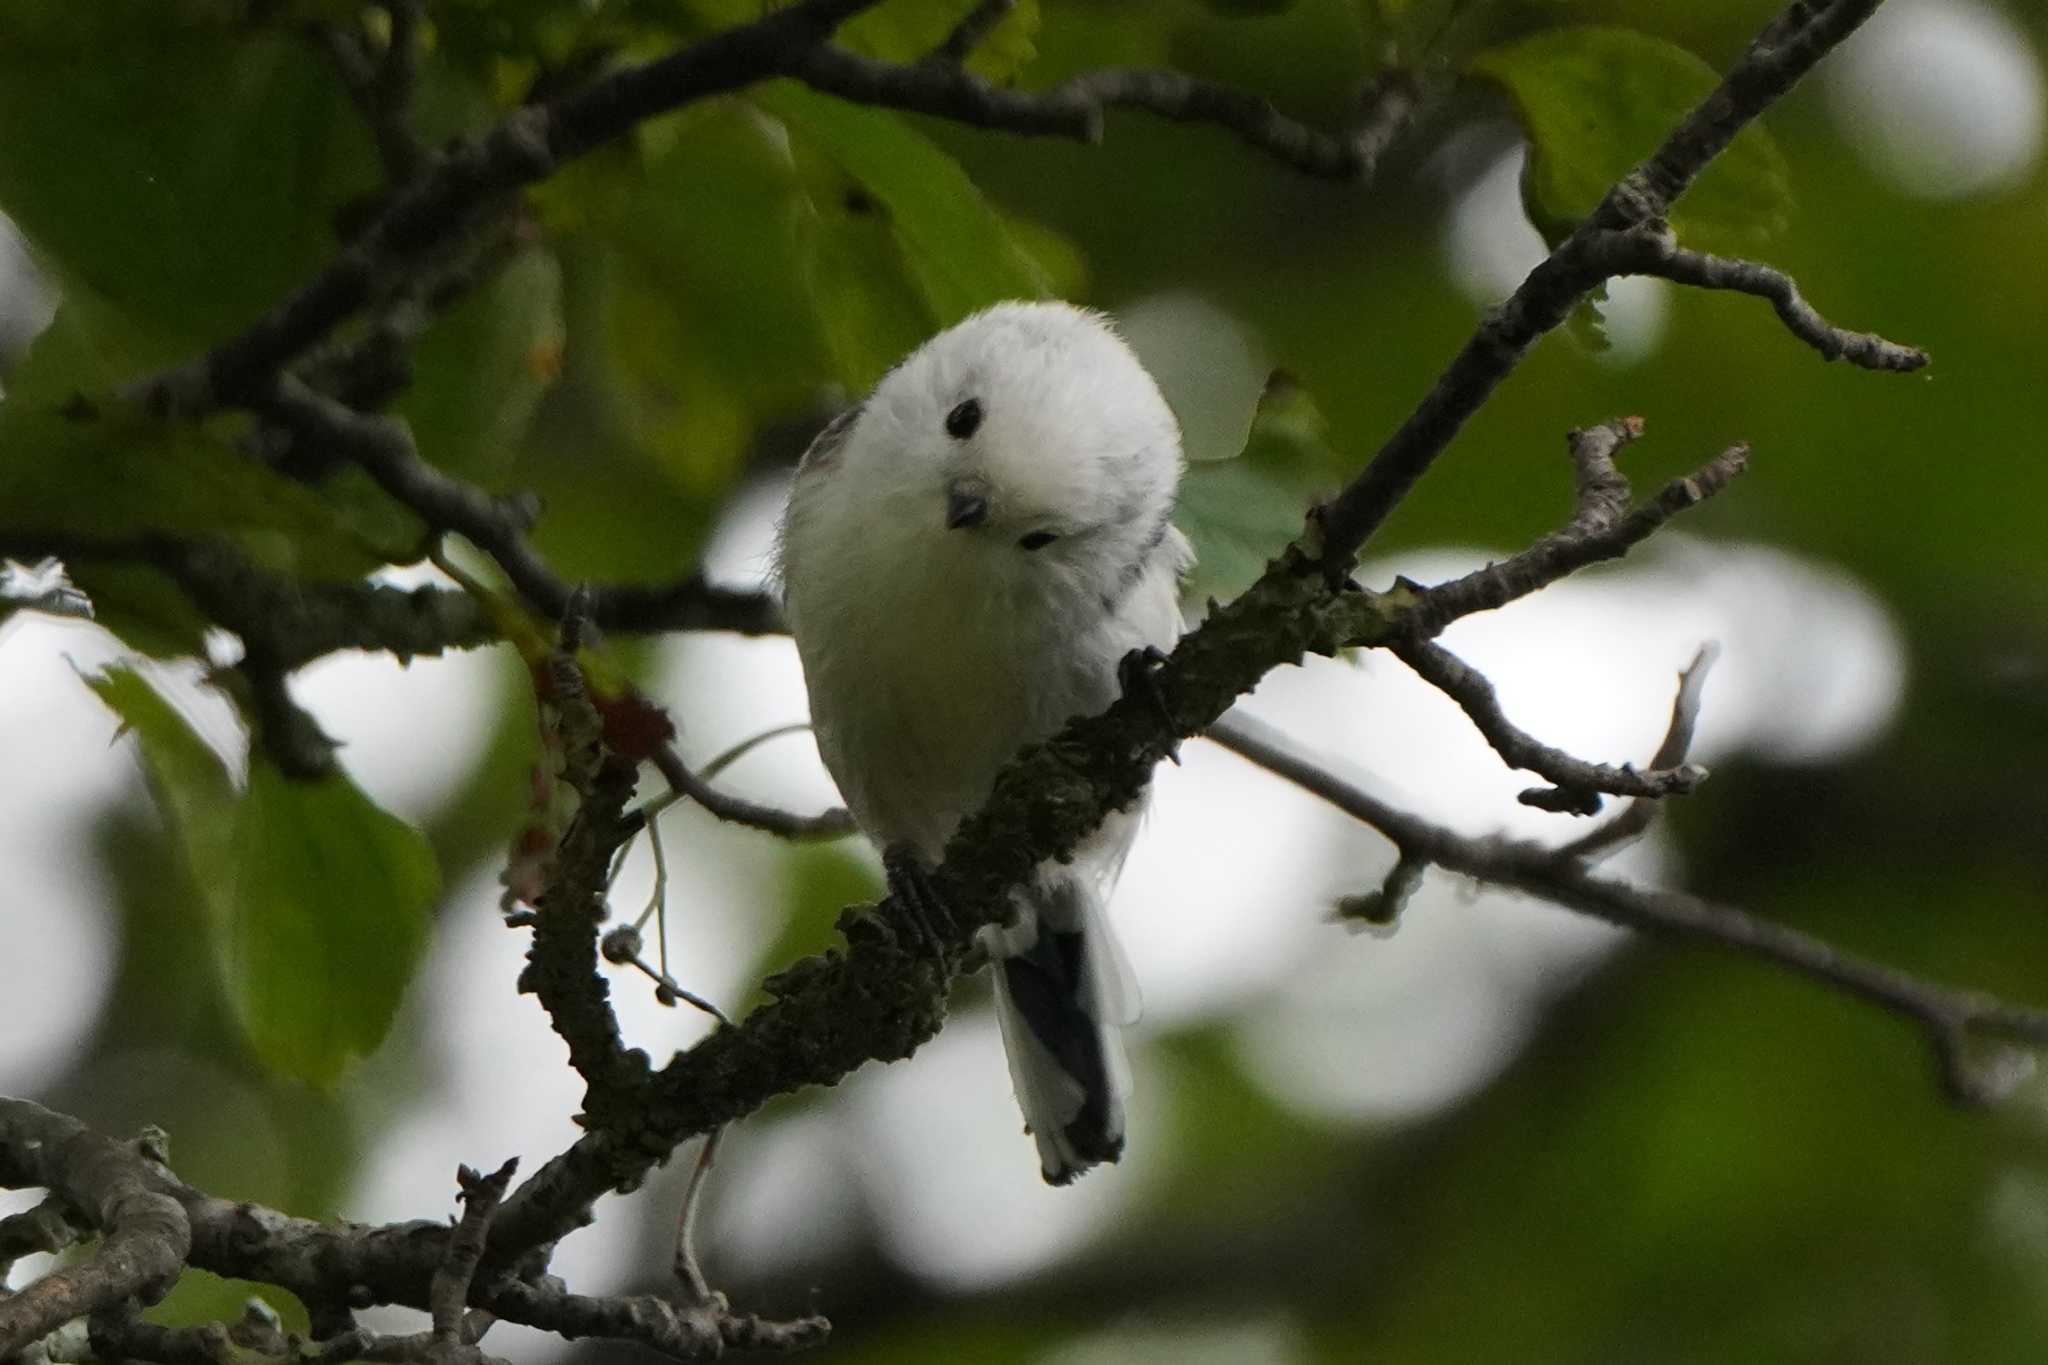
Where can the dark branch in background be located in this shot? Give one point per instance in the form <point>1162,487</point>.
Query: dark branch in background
<point>383,447</point>
<point>381,84</point>
<point>1075,108</point>
<point>1773,63</point>
<point>528,146</point>
<point>969,33</point>
<point>294,620</point>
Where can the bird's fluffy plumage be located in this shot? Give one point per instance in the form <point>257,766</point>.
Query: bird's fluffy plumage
<point>967,557</point>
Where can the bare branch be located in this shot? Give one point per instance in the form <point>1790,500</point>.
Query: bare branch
<point>1774,62</point>
<point>562,962</point>
<point>1952,1020</point>
<point>144,1236</point>
<point>1569,550</point>
<point>1653,250</point>
<point>835,823</point>
<point>1577,784</point>
<point>681,1332</point>
<point>1632,819</point>
<point>448,1294</point>
<point>380,87</point>
<point>974,28</point>
<point>46,1228</point>
<point>1075,108</point>
<point>383,447</point>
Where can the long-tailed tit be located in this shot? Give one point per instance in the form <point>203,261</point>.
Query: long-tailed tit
<point>968,557</point>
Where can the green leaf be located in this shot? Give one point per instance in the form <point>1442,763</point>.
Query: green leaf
<point>479,374</point>
<point>326,911</point>
<point>319,899</point>
<point>683,313</point>
<point>960,256</point>
<point>187,778</point>
<point>73,460</point>
<point>185,171</point>
<point>1594,102</point>
<point>1240,513</point>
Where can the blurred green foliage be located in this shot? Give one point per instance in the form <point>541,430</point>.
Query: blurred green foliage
<point>1694,1161</point>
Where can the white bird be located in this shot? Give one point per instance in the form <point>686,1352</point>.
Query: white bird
<point>967,559</point>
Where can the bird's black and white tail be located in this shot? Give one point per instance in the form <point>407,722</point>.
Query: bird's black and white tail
<point>1061,998</point>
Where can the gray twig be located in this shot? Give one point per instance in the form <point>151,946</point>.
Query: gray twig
<point>1568,550</point>
<point>1954,1021</point>
<point>1576,784</point>
<point>835,823</point>
<point>448,1291</point>
<point>1632,819</point>
<point>1654,250</point>
<point>384,449</point>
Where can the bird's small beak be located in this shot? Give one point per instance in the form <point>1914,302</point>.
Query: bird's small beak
<point>966,504</point>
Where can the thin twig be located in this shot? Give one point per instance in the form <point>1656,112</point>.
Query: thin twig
<point>827,824</point>
<point>974,27</point>
<point>1632,819</point>
<point>1654,250</point>
<point>1576,784</point>
<point>689,1272</point>
<point>1569,550</point>
<point>1951,1019</point>
<point>448,1294</point>
<point>383,448</point>
<point>1774,62</point>
<point>1075,108</point>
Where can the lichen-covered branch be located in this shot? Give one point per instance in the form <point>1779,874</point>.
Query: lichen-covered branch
<point>144,1236</point>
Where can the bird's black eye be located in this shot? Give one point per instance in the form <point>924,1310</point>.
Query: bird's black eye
<point>962,420</point>
<point>1037,540</point>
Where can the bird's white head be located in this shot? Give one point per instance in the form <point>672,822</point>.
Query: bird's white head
<point>1025,448</point>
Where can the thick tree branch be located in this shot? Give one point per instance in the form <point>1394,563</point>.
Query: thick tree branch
<point>144,1235</point>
